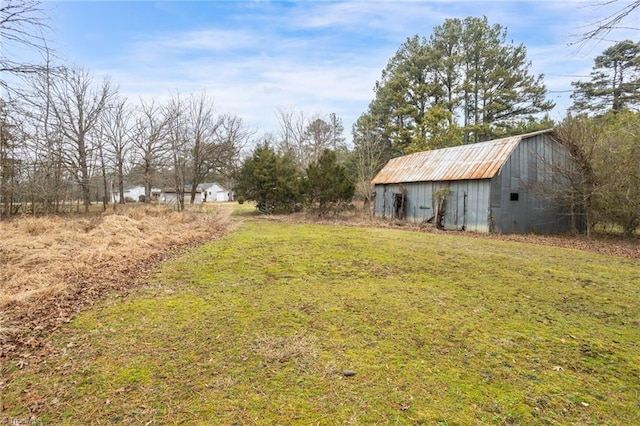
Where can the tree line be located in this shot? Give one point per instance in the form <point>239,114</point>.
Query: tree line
<point>602,131</point>
<point>463,84</point>
<point>65,136</point>
<point>69,137</point>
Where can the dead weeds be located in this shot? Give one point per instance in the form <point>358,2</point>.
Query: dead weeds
<point>281,349</point>
<point>51,267</point>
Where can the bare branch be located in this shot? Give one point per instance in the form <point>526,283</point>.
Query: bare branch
<point>23,24</point>
<point>602,27</point>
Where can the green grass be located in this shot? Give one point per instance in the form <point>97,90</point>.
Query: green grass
<point>259,327</point>
<point>238,210</point>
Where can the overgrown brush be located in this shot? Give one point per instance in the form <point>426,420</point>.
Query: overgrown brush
<point>54,255</point>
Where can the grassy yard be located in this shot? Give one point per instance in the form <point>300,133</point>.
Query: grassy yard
<point>313,324</point>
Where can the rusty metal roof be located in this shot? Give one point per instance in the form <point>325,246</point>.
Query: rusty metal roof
<point>465,162</point>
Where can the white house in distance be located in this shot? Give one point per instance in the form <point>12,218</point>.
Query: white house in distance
<point>214,192</point>
<point>135,193</point>
<point>205,193</point>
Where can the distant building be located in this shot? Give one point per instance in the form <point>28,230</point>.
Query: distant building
<point>508,185</point>
<point>135,193</point>
<point>215,192</point>
<point>205,193</point>
<point>170,196</point>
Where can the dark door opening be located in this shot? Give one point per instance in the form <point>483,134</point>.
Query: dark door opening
<point>398,206</point>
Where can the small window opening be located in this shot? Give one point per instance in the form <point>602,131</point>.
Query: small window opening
<point>514,196</point>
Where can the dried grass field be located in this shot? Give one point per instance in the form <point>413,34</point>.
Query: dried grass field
<point>53,266</point>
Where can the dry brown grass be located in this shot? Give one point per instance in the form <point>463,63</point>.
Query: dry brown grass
<point>280,349</point>
<point>52,266</point>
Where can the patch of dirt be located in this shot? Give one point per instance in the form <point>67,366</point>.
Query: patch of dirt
<point>52,267</point>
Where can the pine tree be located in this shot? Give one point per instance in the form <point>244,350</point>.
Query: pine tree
<point>269,179</point>
<point>327,186</point>
<point>615,81</point>
<point>465,80</point>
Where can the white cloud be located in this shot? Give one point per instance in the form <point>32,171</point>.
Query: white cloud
<point>213,40</point>
<point>326,56</point>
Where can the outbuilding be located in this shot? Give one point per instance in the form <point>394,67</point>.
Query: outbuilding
<point>517,184</point>
<point>215,192</point>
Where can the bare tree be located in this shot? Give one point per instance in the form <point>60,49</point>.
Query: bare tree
<point>148,140</point>
<point>292,134</point>
<point>177,135</point>
<point>307,138</point>
<point>117,129</point>
<point>46,142</point>
<point>369,156</point>
<point>232,136</point>
<point>582,139</point>
<point>317,137</point>
<point>617,168</point>
<point>77,108</point>
<point>99,162</point>
<point>7,162</point>
<point>23,24</point>
<point>202,125</point>
<point>203,144</point>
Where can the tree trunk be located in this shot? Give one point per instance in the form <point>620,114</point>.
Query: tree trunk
<point>586,201</point>
<point>194,190</point>
<point>120,182</point>
<point>105,186</point>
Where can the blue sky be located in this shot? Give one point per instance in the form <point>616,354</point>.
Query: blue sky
<point>313,56</point>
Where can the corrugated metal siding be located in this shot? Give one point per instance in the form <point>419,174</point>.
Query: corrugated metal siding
<point>467,162</point>
<point>530,172</point>
<point>466,206</point>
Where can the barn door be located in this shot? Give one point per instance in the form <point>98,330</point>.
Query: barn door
<point>440,210</point>
<point>398,205</point>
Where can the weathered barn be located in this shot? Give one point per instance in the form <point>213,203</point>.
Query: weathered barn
<point>509,185</point>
